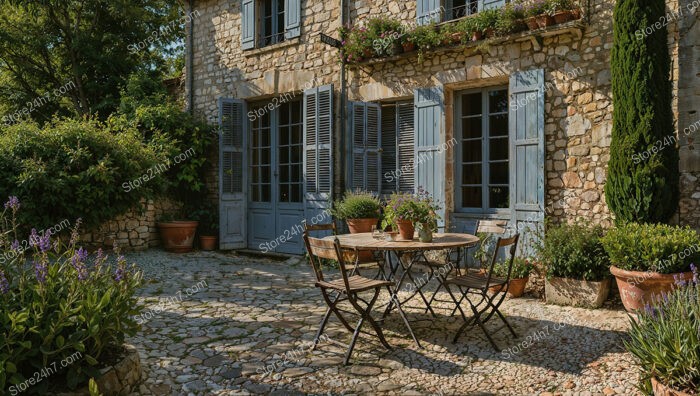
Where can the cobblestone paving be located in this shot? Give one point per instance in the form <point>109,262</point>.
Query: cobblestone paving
<point>215,321</point>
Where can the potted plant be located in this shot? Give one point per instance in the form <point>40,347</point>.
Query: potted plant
<point>400,213</point>
<point>470,29</point>
<point>407,44</point>
<point>176,235</point>
<point>576,265</point>
<point>426,38</point>
<point>487,20</point>
<point>360,210</point>
<point>519,275</point>
<point>563,10</point>
<point>426,217</point>
<point>510,19</point>
<point>533,11</point>
<point>647,257</point>
<point>208,218</point>
<point>665,342</point>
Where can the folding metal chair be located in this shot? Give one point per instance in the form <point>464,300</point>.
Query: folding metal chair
<point>347,288</point>
<point>351,256</point>
<point>473,285</point>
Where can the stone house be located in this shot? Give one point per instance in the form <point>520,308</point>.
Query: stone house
<point>517,129</point>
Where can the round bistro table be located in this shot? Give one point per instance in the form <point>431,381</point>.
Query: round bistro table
<point>390,253</point>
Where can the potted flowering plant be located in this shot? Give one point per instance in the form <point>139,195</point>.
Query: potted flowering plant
<point>563,10</point>
<point>536,11</point>
<point>426,217</point>
<point>519,275</point>
<point>400,214</point>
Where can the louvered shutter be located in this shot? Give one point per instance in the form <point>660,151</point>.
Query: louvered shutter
<point>232,178</point>
<point>406,146</point>
<point>292,18</point>
<point>428,11</point>
<point>429,136</point>
<point>366,138</point>
<point>488,4</point>
<point>248,24</point>
<point>527,155</point>
<point>388,154</point>
<point>318,149</point>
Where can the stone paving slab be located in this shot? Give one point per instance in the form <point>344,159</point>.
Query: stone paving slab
<point>222,324</point>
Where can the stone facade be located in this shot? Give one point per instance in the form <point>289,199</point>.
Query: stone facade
<point>578,101</point>
<point>134,230</point>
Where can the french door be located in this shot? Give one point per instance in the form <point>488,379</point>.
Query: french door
<point>276,190</point>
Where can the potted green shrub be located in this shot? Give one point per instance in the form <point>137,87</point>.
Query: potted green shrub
<point>471,30</point>
<point>426,38</point>
<point>563,10</point>
<point>519,275</point>
<point>400,214</point>
<point>510,19</point>
<point>426,217</point>
<point>360,210</point>
<point>664,340</point>
<point>535,11</point>
<point>208,217</point>
<point>647,257</point>
<point>576,265</point>
<point>487,21</point>
<point>177,235</point>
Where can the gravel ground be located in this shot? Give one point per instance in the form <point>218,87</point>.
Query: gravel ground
<point>214,322</point>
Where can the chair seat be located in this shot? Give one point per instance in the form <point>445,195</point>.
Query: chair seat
<point>476,281</point>
<point>357,284</point>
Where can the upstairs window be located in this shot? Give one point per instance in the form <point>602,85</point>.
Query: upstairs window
<point>272,22</point>
<point>455,9</point>
<point>269,22</point>
<point>437,11</point>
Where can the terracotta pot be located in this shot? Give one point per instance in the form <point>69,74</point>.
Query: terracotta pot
<point>358,226</point>
<point>663,390</point>
<point>490,32</point>
<point>516,287</point>
<point>457,37</point>
<point>532,23</point>
<point>638,288</point>
<point>178,236</point>
<point>406,229</point>
<point>576,13</point>
<point>476,36</point>
<point>562,17</point>
<point>544,20</point>
<point>207,242</point>
<point>368,53</point>
<point>408,46</point>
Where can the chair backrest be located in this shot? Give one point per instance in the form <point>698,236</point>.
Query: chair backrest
<point>512,244</point>
<point>321,227</point>
<point>325,249</point>
<point>491,226</point>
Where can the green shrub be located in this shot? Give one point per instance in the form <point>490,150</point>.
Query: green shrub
<point>652,247</point>
<point>58,305</point>
<point>510,19</point>
<point>75,169</point>
<point>575,251</point>
<point>488,19</point>
<point>521,268</point>
<point>357,205</point>
<point>638,189</point>
<point>665,340</point>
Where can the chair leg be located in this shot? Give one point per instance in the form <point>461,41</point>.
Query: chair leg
<point>405,320</point>
<point>366,313</point>
<point>459,307</point>
<point>321,327</point>
<point>352,342</point>
<point>483,328</point>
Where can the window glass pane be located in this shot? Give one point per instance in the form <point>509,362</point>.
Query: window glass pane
<point>471,174</point>
<point>471,151</point>
<point>296,173</point>
<point>498,125</point>
<point>498,101</point>
<point>499,197</point>
<point>296,112</point>
<point>296,134</point>
<point>498,149</point>
<point>499,173</point>
<point>284,174</point>
<point>295,194</point>
<point>265,138</point>
<point>471,197</point>
<point>471,128</point>
<point>471,104</point>
<point>284,155</point>
<point>265,174</point>
<point>265,193</point>
<point>284,114</point>
<point>284,193</point>
<point>284,136</point>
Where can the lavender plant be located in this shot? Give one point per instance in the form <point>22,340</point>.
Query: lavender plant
<point>56,301</point>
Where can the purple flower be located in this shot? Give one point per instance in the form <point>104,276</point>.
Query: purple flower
<point>15,245</point>
<point>120,273</point>
<point>33,238</point>
<point>694,269</point>
<point>40,270</point>
<point>78,262</point>
<point>4,284</point>
<point>45,242</point>
<point>12,203</point>
<point>75,235</point>
<point>678,280</point>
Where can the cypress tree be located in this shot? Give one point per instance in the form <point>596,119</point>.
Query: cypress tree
<point>643,175</point>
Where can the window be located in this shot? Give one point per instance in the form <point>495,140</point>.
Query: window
<point>455,9</point>
<point>272,22</point>
<point>290,147</point>
<point>428,11</point>
<point>483,152</point>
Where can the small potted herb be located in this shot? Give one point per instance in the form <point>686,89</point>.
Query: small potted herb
<point>360,210</point>
<point>426,217</point>
<point>208,218</point>
<point>519,276</point>
<point>487,20</point>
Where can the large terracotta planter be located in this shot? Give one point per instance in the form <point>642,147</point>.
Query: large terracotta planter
<point>178,236</point>
<point>577,293</point>
<point>639,288</point>
<point>358,226</point>
<point>406,229</point>
<point>663,390</point>
<point>563,17</point>
<point>207,242</point>
<point>545,20</point>
<point>516,287</point>
<point>408,46</point>
<point>532,23</point>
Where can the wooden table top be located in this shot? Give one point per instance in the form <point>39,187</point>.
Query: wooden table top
<point>364,241</point>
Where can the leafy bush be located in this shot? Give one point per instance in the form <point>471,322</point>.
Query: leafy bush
<point>419,209</point>
<point>575,251</point>
<point>510,19</point>
<point>357,205</point>
<point>426,37</point>
<point>56,304</point>
<point>638,189</point>
<point>75,169</point>
<point>665,339</point>
<point>652,247</point>
<point>521,268</point>
<point>487,19</point>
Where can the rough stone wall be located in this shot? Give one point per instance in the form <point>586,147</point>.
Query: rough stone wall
<point>688,75</point>
<point>134,230</point>
<point>578,103</point>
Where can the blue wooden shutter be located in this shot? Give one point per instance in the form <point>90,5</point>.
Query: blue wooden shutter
<point>428,11</point>
<point>248,24</point>
<point>318,149</point>
<point>292,18</point>
<point>429,135</point>
<point>488,4</point>
<point>406,146</point>
<point>527,155</point>
<point>365,119</point>
<point>389,149</point>
<point>232,179</point>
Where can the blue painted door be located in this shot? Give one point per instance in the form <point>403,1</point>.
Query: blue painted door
<point>232,176</point>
